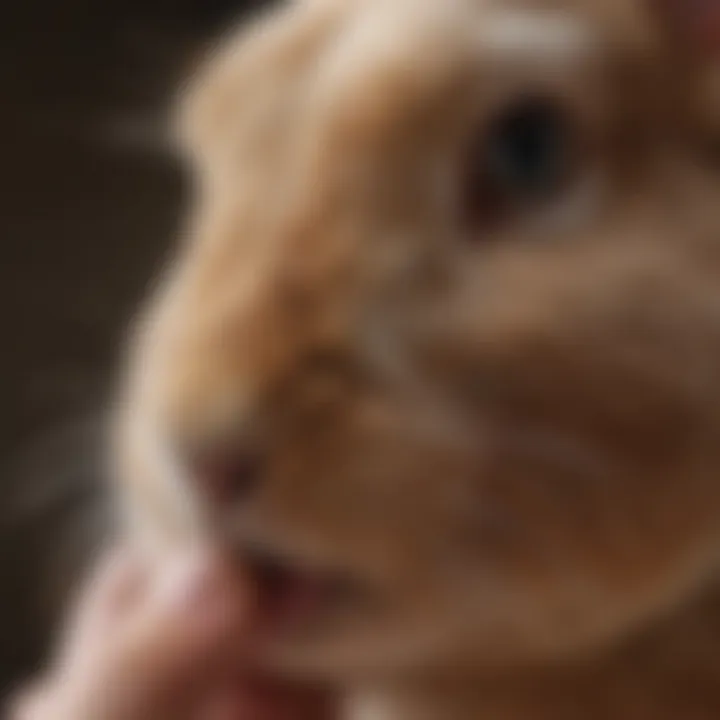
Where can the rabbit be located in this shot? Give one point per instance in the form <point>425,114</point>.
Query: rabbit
<point>439,354</point>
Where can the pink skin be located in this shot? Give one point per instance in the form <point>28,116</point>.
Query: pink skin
<point>174,644</point>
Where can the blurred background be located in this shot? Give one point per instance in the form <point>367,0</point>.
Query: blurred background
<point>92,198</point>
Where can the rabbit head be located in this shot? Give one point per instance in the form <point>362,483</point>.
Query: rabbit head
<point>440,353</point>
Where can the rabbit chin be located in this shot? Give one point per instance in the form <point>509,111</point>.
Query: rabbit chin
<point>408,642</point>
<point>332,624</point>
<point>373,635</point>
<point>377,646</point>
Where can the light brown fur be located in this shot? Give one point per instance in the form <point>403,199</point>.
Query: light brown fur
<point>509,437</point>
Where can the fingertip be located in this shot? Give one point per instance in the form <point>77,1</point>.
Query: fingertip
<point>201,580</point>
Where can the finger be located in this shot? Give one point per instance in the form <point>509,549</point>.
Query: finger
<point>115,583</point>
<point>26,704</point>
<point>193,620</point>
<point>119,582</point>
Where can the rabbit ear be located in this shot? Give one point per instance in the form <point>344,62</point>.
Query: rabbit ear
<point>694,23</point>
<point>692,30</point>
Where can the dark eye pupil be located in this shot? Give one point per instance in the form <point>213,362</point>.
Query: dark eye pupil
<point>523,158</point>
<point>526,151</point>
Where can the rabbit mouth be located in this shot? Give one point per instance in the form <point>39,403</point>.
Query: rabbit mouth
<point>294,597</point>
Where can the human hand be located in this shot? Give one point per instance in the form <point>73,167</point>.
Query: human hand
<point>166,645</point>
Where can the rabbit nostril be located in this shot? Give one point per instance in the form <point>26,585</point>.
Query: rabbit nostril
<point>228,477</point>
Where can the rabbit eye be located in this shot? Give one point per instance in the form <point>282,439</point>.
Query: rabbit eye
<point>523,159</point>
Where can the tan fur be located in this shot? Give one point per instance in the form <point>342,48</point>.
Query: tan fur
<point>510,438</point>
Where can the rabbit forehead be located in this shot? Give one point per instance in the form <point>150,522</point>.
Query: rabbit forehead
<point>543,33</point>
<point>312,59</point>
<point>431,31</point>
<point>351,37</point>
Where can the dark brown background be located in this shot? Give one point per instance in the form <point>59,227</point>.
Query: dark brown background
<point>90,204</point>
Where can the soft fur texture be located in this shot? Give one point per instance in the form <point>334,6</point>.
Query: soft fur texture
<point>507,435</point>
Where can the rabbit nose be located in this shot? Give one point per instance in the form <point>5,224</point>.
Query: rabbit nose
<point>227,477</point>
